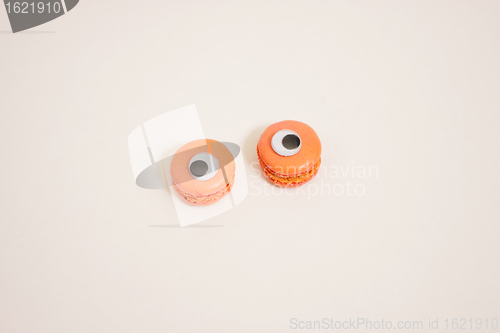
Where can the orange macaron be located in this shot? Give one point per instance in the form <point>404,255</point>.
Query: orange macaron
<point>202,172</point>
<point>289,153</point>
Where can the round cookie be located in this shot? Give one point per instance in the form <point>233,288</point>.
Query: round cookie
<point>289,153</point>
<point>202,172</point>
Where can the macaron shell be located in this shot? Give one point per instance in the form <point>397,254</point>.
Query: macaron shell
<point>179,168</point>
<point>304,160</point>
<point>204,200</point>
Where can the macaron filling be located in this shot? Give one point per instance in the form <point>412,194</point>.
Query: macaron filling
<point>289,180</point>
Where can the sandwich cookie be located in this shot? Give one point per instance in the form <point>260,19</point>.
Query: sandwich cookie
<point>289,153</point>
<point>202,172</point>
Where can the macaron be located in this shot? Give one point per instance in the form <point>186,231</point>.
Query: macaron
<point>202,172</point>
<point>289,153</point>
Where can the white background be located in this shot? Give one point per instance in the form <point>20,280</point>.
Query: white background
<point>411,87</point>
